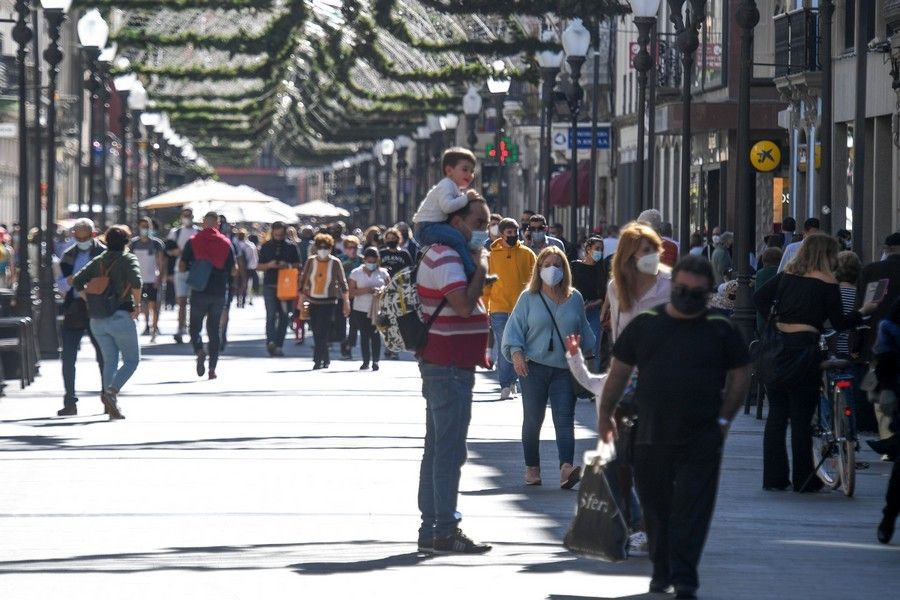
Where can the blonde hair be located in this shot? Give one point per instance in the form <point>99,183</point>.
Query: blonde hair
<point>624,267</point>
<point>818,252</point>
<point>536,282</point>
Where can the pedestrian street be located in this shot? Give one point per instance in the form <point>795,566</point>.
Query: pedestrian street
<point>276,482</point>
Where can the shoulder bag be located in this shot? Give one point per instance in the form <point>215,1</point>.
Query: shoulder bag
<point>102,300</point>
<point>579,390</point>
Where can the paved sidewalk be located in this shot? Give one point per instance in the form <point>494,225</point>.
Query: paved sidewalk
<point>278,482</point>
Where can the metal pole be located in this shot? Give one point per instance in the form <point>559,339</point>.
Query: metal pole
<point>104,144</point>
<point>744,310</point>
<point>542,150</point>
<point>859,131</point>
<point>826,12</point>
<point>498,140</point>
<point>642,64</point>
<point>38,166</point>
<point>92,85</point>
<point>22,35</point>
<point>575,63</point>
<point>650,166</point>
<point>48,336</point>
<point>124,122</point>
<point>595,115</point>
<point>137,141</point>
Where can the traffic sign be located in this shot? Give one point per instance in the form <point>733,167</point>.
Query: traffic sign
<point>765,156</point>
<point>561,137</point>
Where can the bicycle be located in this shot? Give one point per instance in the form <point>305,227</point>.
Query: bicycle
<point>834,436</point>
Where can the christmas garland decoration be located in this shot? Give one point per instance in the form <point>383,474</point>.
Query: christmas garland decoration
<point>178,5</point>
<point>535,8</point>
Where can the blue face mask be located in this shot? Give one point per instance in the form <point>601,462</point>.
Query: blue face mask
<point>86,245</point>
<point>479,238</point>
<point>371,266</point>
<point>597,255</point>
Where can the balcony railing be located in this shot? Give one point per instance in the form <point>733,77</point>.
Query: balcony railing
<point>796,42</point>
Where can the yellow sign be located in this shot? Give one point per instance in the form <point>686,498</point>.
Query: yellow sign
<point>765,156</point>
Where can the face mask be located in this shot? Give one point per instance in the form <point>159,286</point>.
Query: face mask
<point>371,266</point>
<point>688,301</point>
<point>512,240</point>
<point>187,221</point>
<point>323,253</point>
<point>144,231</point>
<point>597,255</point>
<point>538,237</point>
<point>479,239</point>
<point>716,239</point>
<point>884,255</point>
<point>85,245</point>
<point>551,275</point>
<point>392,244</point>
<point>494,231</point>
<point>649,265</point>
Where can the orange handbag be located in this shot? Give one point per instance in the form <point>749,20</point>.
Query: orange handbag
<point>287,284</point>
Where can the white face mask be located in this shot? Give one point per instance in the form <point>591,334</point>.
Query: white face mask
<point>716,239</point>
<point>85,245</point>
<point>649,264</point>
<point>187,221</point>
<point>551,275</point>
<point>323,253</point>
<point>495,230</point>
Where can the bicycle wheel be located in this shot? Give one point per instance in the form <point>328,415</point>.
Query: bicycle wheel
<point>824,457</point>
<point>846,444</point>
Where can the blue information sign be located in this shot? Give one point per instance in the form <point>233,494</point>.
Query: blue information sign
<point>584,137</point>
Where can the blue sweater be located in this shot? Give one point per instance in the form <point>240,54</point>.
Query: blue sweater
<point>530,329</point>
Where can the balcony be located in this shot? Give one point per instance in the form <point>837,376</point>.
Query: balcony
<point>796,42</point>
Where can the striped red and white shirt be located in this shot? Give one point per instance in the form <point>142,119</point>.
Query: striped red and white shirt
<point>452,340</point>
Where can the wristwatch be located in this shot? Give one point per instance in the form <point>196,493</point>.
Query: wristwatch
<point>723,422</point>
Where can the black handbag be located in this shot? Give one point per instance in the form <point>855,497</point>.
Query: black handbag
<point>771,345</point>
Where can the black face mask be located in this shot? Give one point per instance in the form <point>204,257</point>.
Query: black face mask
<point>391,244</point>
<point>512,240</point>
<point>688,301</point>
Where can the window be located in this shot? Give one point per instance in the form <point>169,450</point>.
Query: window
<point>710,60</point>
<point>850,22</point>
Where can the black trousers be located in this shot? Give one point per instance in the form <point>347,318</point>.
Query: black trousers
<point>208,307</point>
<point>796,405</point>
<point>321,317</point>
<point>677,487</point>
<point>369,338</point>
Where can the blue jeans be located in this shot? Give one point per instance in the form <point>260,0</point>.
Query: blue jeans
<point>117,335</point>
<point>504,367</point>
<point>276,316</point>
<point>448,410</point>
<point>442,233</point>
<point>210,307</point>
<point>593,319</point>
<point>545,383</point>
<point>71,343</point>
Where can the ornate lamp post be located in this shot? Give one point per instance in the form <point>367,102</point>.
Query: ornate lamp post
<point>498,85</point>
<point>93,32</point>
<point>472,108</point>
<point>55,13</point>
<point>384,150</point>
<point>161,130</point>
<point>744,310</point>
<point>402,144</point>
<point>22,36</point>
<point>149,120</point>
<point>137,104</point>
<point>421,138</point>
<point>550,62</point>
<point>124,84</point>
<point>576,40</point>
<point>688,41</point>
<point>644,19</point>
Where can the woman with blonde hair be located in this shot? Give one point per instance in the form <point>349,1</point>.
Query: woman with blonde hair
<point>323,284</point>
<point>547,311</point>
<point>805,296</point>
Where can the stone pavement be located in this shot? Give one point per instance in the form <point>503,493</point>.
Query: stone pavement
<point>278,482</point>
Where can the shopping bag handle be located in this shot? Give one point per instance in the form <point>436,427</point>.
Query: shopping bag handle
<point>603,455</point>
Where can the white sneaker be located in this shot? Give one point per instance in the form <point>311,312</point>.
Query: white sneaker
<point>505,393</point>
<point>514,388</point>
<point>637,544</point>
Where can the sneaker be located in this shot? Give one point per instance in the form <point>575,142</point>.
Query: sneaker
<point>67,411</point>
<point>364,366</point>
<point>532,476</point>
<point>459,543</point>
<point>426,546</point>
<point>374,366</point>
<point>110,402</point>
<point>637,544</point>
<point>505,393</point>
<point>277,351</point>
<point>659,587</point>
<point>270,348</point>
<point>201,363</point>
<point>685,593</point>
<point>569,476</point>
<point>886,530</point>
<point>212,374</point>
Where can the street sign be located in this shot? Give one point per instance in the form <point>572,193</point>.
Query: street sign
<point>9,130</point>
<point>765,156</point>
<point>560,137</point>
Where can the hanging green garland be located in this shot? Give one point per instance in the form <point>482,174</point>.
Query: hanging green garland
<point>177,5</point>
<point>535,8</point>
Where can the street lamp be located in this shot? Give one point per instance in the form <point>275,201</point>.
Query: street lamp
<point>150,121</point>
<point>124,84</point>
<point>93,33</point>
<point>160,129</point>
<point>451,122</point>
<point>550,62</point>
<point>688,30</point>
<point>576,40</point>
<point>137,104</point>
<point>472,108</point>
<point>498,85</point>
<point>744,310</point>
<point>644,19</point>
<point>403,143</point>
<point>386,147</point>
<point>22,36</point>
<point>422,139</point>
<point>55,13</point>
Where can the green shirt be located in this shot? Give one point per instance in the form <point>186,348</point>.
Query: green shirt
<point>122,268</point>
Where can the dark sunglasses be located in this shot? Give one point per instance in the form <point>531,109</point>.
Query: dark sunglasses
<point>686,292</point>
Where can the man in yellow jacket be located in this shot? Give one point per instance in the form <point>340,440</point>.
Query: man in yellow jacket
<point>513,263</point>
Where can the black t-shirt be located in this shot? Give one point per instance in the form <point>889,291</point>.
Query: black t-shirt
<point>395,260</point>
<point>280,250</point>
<point>590,280</point>
<point>171,261</point>
<point>218,278</point>
<point>682,364</point>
